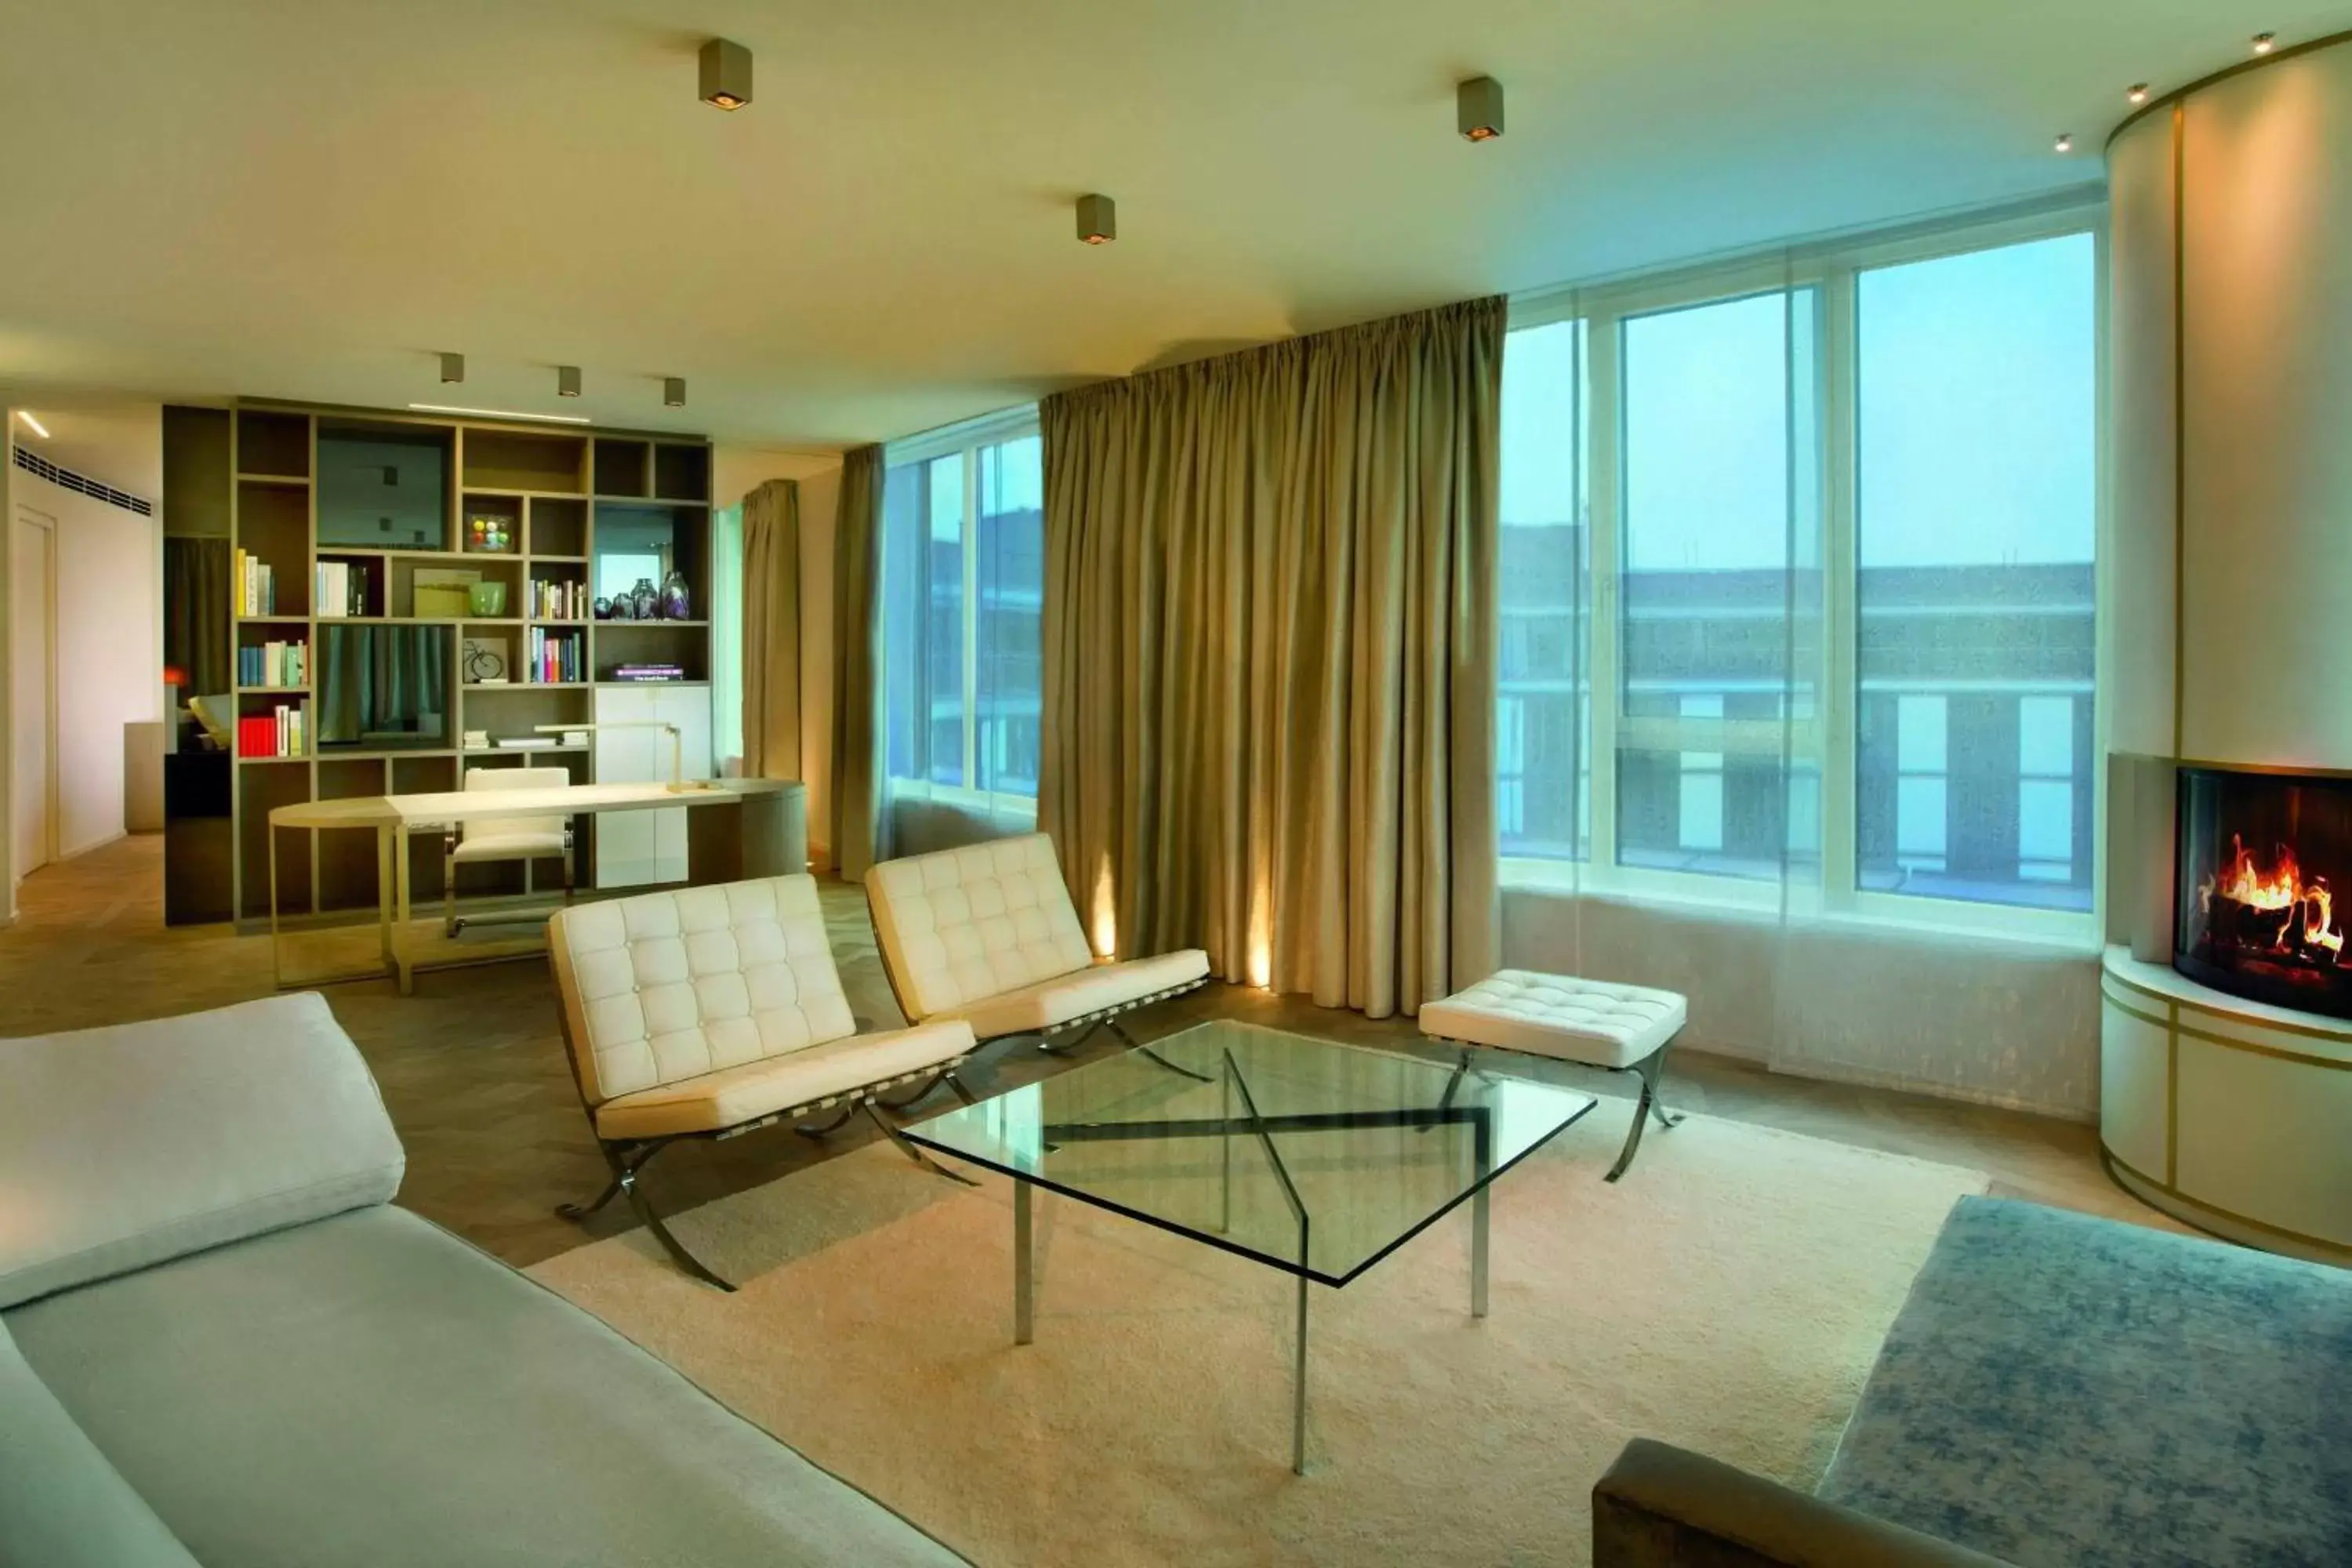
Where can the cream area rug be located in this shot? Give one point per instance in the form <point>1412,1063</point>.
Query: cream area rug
<point>1730,1295</point>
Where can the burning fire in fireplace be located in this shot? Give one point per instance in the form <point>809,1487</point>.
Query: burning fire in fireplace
<point>2272,909</point>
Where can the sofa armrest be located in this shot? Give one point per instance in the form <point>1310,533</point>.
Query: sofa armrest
<point>1663,1507</point>
<point>124,1147</point>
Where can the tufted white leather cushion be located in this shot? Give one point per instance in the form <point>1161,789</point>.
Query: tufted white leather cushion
<point>732,1096</point>
<point>1559,1016</point>
<point>1030,1008</point>
<point>963,925</point>
<point>670,986</point>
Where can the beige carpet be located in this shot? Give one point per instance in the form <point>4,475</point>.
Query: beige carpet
<point>1730,1295</point>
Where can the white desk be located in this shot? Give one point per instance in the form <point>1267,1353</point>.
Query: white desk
<point>768,838</point>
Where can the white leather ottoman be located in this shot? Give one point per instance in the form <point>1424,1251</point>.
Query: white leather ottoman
<point>1625,1028</point>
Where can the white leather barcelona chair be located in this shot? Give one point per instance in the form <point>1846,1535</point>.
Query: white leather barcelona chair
<point>987,936</point>
<point>709,1012</point>
<point>472,841</point>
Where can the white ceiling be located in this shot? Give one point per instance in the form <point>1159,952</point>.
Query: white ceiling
<point>274,198</point>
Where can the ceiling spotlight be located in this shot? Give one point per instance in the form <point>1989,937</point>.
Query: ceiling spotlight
<point>567,380</point>
<point>672,391</point>
<point>1098,219</point>
<point>2065,144</point>
<point>2138,92</point>
<point>726,74</point>
<point>37,427</point>
<point>2265,42</point>
<point>453,369</point>
<point>1478,108</point>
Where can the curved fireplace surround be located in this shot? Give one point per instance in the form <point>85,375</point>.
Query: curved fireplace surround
<point>2225,1088</point>
<point>2260,859</point>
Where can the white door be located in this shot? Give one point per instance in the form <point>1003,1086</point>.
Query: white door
<point>32,651</point>
<point>637,848</point>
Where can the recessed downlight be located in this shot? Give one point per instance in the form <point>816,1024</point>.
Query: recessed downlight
<point>2265,42</point>
<point>2065,142</point>
<point>2136,92</point>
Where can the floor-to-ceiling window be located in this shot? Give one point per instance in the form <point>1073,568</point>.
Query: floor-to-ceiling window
<point>1799,579</point>
<point>962,592</point>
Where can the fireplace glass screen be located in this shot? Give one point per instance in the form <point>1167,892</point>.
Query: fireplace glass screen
<point>2261,858</point>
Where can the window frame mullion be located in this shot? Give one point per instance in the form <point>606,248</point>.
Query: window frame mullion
<point>1840,586</point>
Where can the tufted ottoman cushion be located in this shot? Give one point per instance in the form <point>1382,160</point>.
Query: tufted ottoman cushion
<point>1591,1021</point>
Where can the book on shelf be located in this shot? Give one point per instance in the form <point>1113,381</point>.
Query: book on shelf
<point>280,733</point>
<point>274,664</point>
<point>255,588</point>
<point>649,672</point>
<point>550,657</point>
<point>341,589</point>
<point>558,601</point>
<point>525,742</point>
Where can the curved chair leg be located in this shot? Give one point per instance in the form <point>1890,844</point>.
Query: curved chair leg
<point>915,1096</point>
<point>910,1151</point>
<point>1648,1069</point>
<point>831,1127</point>
<point>582,1211</point>
<point>1129,1041</point>
<point>644,1212</point>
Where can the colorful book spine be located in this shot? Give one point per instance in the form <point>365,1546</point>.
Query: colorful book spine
<point>280,732</point>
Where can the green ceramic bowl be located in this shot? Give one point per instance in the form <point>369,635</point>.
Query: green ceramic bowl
<point>488,599</point>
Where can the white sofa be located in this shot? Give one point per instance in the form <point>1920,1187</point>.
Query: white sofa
<point>987,936</point>
<point>221,1343</point>
<point>713,1011</point>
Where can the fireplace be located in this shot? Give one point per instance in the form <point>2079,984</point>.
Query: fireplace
<point>2261,857</point>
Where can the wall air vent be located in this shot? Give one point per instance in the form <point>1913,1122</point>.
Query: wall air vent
<point>67,478</point>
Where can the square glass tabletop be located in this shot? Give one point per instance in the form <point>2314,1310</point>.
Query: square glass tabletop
<point>1312,1157</point>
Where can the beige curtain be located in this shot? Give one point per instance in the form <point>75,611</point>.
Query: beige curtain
<point>1270,642</point>
<point>771,631</point>
<point>857,807</point>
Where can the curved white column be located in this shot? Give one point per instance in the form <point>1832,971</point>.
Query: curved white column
<point>2228,601</point>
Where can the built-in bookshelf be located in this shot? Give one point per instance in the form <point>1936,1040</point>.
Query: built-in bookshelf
<point>457,562</point>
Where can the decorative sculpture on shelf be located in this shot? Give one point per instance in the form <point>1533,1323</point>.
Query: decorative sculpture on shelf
<point>603,608</point>
<point>675,601</point>
<point>643,600</point>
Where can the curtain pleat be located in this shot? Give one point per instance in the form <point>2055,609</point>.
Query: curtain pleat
<point>771,631</point>
<point>857,819</point>
<point>196,611</point>
<point>1270,647</point>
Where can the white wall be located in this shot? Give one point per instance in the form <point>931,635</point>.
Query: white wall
<point>109,659</point>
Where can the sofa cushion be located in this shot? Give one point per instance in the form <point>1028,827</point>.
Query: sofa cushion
<point>2061,1389</point>
<point>965,924</point>
<point>61,1504</point>
<point>123,1146</point>
<point>370,1392</point>
<point>1029,1008</point>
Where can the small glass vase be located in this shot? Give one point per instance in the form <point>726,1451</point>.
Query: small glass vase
<point>676,604</point>
<point>643,600</point>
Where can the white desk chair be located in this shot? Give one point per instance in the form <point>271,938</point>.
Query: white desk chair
<point>476,840</point>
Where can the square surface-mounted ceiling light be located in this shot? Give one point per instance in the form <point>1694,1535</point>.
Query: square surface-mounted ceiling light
<point>567,380</point>
<point>672,391</point>
<point>1098,219</point>
<point>1478,108</point>
<point>453,369</point>
<point>726,74</point>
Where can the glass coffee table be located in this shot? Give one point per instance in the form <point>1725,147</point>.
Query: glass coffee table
<point>1313,1158</point>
